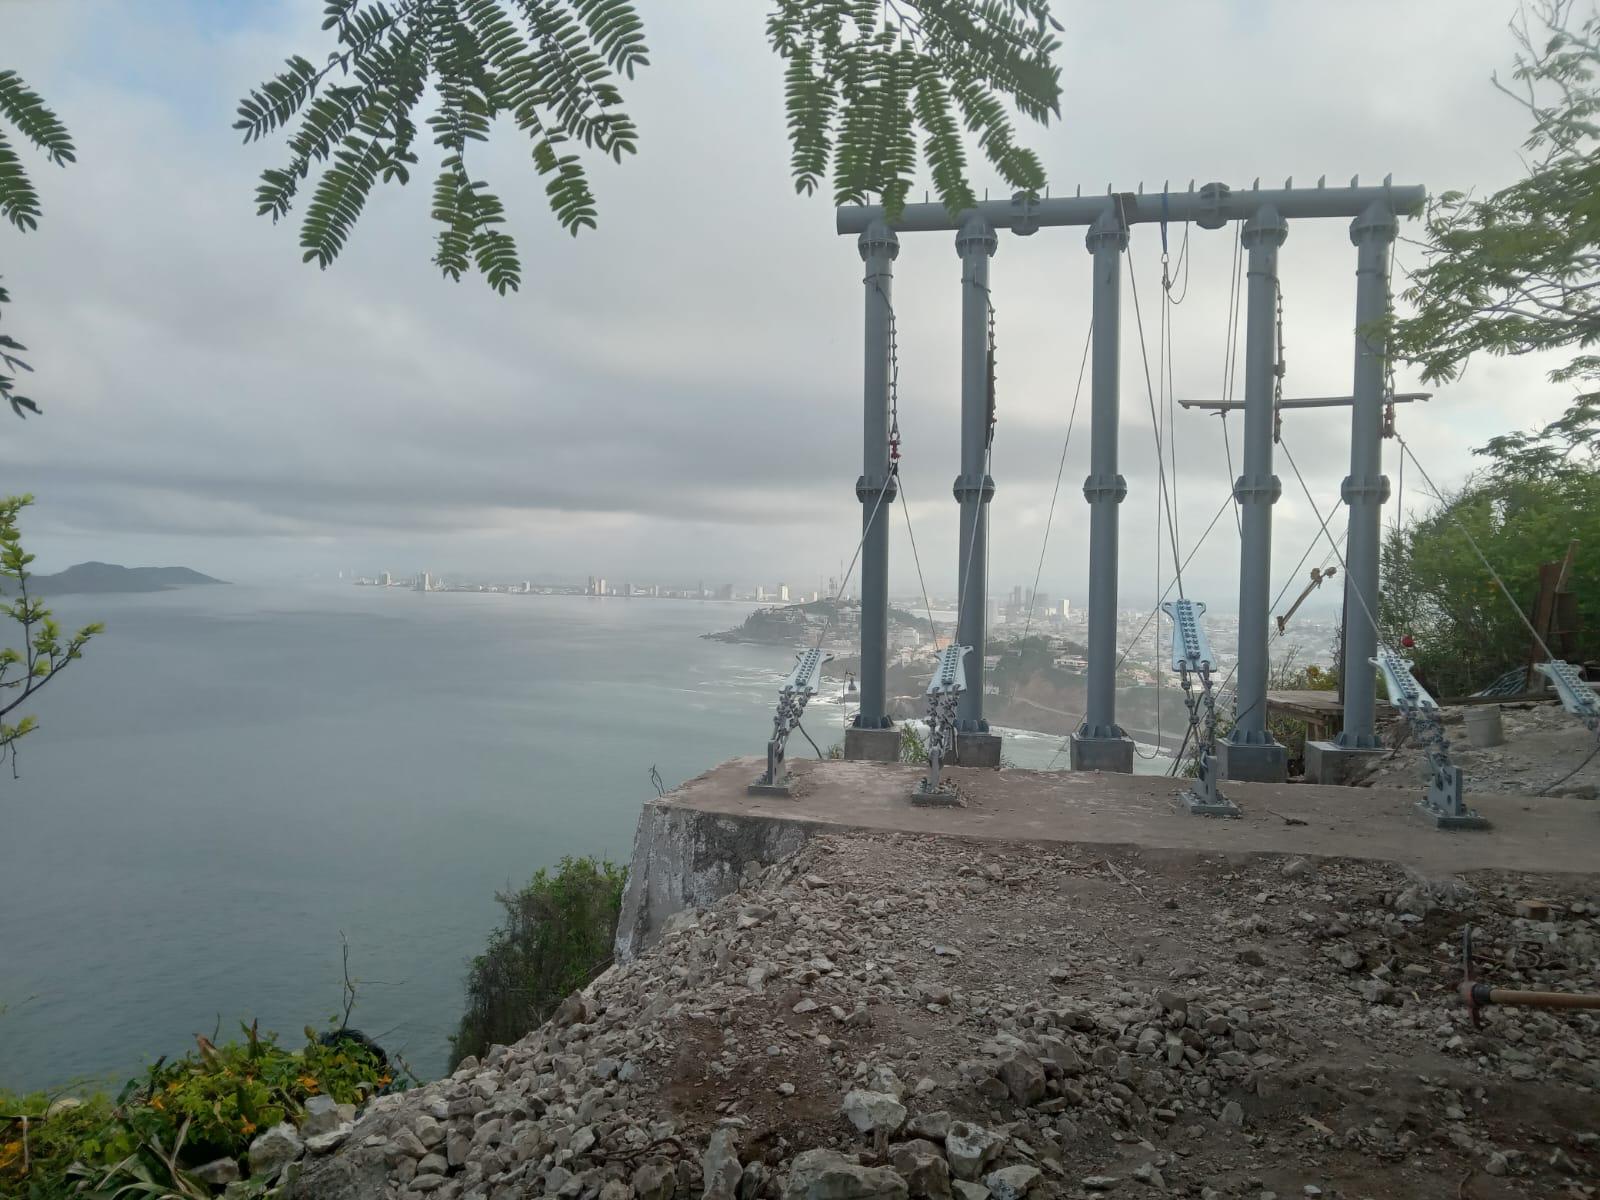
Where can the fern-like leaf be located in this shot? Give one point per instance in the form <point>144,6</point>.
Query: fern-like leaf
<point>33,119</point>
<point>19,203</point>
<point>871,87</point>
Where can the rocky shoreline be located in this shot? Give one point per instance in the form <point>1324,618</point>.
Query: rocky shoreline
<point>906,1017</point>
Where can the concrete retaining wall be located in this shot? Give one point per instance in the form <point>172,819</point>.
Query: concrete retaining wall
<point>684,858</point>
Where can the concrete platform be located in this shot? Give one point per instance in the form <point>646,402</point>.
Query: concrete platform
<point>697,842</point>
<point>1332,764</point>
<point>872,745</point>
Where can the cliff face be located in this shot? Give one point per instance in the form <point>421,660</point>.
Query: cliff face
<point>686,859</point>
<point>891,1015</point>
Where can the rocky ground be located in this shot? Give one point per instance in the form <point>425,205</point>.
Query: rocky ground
<point>1543,744</point>
<point>893,1016</point>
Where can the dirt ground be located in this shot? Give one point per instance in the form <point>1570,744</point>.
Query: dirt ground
<point>1544,747</point>
<point>890,1016</point>
<point>1329,988</point>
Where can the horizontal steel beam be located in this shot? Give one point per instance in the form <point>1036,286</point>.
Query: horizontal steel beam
<point>1303,402</point>
<point>1211,206</point>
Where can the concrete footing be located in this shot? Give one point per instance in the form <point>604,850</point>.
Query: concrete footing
<point>872,745</point>
<point>1100,754</point>
<point>977,749</point>
<point>1328,762</point>
<point>1254,763</point>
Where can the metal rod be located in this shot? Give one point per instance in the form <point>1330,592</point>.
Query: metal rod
<point>1480,995</point>
<point>1366,488</point>
<point>1104,489</point>
<point>1251,751</point>
<point>879,248</point>
<point>1212,206</point>
<point>975,244</point>
<point>1303,402</point>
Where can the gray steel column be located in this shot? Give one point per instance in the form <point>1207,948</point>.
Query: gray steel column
<point>1367,487</point>
<point>879,248</point>
<point>1104,488</point>
<point>975,243</point>
<point>1250,751</point>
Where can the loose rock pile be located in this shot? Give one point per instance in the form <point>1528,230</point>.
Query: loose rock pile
<point>1545,747</point>
<point>916,1019</point>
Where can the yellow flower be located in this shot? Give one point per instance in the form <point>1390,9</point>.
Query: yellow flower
<point>309,1083</point>
<point>248,1127</point>
<point>155,1102</point>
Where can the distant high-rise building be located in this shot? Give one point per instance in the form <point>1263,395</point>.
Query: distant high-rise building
<point>1066,609</point>
<point>761,593</point>
<point>385,579</point>
<point>600,587</point>
<point>783,592</point>
<point>1016,597</point>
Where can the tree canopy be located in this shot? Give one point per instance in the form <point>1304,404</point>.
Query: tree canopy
<point>862,79</point>
<point>27,117</point>
<point>1518,270</point>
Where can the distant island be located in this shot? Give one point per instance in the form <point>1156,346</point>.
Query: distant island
<point>99,577</point>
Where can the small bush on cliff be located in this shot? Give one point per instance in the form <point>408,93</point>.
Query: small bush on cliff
<point>557,935</point>
<point>207,1105</point>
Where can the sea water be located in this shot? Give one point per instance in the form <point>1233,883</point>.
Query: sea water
<point>232,778</point>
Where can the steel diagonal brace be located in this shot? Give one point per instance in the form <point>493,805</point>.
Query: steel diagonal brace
<point>800,685</point>
<point>944,693</point>
<point>1192,660</point>
<point>1577,697</point>
<point>1443,801</point>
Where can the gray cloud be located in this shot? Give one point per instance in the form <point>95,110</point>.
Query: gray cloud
<point>677,395</point>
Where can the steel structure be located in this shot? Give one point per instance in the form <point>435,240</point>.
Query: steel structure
<point>1100,742</point>
<point>1443,799</point>
<point>798,687</point>
<point>1193,661</point>
<point>945,691</point>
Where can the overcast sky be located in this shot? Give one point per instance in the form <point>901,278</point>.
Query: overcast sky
<point>676,396</point>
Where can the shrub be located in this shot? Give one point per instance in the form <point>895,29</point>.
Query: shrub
<point>558,934</point>
<point>207,1105</point>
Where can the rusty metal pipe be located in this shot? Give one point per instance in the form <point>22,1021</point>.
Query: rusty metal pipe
<point>1481,995</point>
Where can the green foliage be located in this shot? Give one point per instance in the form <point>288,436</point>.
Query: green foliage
<point>861,80</point>
<point>10,364</point>
<point>557,935</point>
<point>22,109</point>
<point>25,112</point>
<point>45,652</point>
<point>208,1105</point>
<point>1437,590</point>
<point>550,66</point>
<point>1519,270</point>
<point>913,746</point>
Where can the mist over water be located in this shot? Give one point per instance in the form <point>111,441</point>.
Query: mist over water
<point>233,775</point>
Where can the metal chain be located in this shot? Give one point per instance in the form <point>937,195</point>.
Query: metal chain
<point>1388,359</point>
<point>992,414</point>
<point>1278,369</point>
